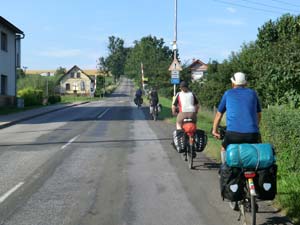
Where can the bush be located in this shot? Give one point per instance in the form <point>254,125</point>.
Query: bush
<point>54,99</point>
<point>281,127</point>
<point>31,96</point>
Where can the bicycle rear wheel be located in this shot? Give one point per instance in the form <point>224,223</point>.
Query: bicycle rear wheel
<point>190,156</point>
<point>248,209</point>
<point>154,114</point>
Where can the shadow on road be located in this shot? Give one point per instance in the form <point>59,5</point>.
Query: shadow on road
<point>86,142</point>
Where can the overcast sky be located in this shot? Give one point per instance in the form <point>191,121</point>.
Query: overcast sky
<point>75,32</point>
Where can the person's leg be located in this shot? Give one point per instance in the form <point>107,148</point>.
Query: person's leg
<point>179,120</point>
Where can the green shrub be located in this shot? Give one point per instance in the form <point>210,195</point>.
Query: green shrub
<point>280,126</point>
<point>31,96</point>
<point>54,99</point>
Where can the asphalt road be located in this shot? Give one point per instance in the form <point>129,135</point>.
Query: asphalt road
<point>106,163</point>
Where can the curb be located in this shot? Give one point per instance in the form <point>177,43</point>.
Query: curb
<point>11,123</point>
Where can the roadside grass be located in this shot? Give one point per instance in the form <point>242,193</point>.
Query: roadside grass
<point>205,120</point>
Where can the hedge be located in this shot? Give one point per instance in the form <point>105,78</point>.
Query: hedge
<point>31,96</point>
<point>280,126</point>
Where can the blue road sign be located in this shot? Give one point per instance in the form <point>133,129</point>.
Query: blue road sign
<point>175,81</point>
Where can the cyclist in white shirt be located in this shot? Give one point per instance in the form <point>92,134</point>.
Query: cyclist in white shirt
<point>187,104</point>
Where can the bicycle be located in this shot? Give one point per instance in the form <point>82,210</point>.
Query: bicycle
<point>138,101</point>
<point>247,204</point>
<point>154,112</point>
<point>189,128</point>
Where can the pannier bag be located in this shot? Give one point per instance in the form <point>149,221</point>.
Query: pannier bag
<point>232,183</point>
<point>200,140</point>
<point>136,100</point>
<point>179,140</point>
<point>265,183</point>
<point>159,106</point>
<point>151,109</point>
<point>258,156</point>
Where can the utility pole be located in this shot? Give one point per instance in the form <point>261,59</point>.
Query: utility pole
<point>175,67</point>
<point>175,40</point>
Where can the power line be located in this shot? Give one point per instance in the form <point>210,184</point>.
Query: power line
<point>266,5</point>
<point>248,7</point>
<point>286,3</point>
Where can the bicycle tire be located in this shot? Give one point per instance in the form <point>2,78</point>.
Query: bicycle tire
<point>190,156</point>
<point>253,209</point>
<point>154,114</point>
<point>248,210</point>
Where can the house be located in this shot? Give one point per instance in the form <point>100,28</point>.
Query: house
<point>198,69</point>
<point>47,74</point>
<point>10,60</point>
<point>76,81</point>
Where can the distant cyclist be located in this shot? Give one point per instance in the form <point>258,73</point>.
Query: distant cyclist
<point>138,97</point>
<point>153,97</point>
<point>243,113</point>
<point>187,104</point>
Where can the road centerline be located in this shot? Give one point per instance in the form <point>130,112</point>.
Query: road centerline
<point>103,113</point>
<point>8,193</point>
<point>70,141</point>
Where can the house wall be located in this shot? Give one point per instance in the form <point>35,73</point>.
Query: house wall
<point>75,83</point>
<point>8,62</point>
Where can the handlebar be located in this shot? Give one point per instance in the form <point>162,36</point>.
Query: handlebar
<point>222,131</point>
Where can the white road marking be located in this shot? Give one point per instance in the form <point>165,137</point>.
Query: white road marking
<point>102,114</point>
<point>7,194</point>
<point>69,142</point>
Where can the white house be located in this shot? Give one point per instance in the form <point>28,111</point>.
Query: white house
<point>47,74</point>
<point>198,69</point>
<point>10,60</point>
<point>76,81</point>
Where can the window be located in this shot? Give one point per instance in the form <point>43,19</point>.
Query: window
<point>3,41</point>
<point>67,87</point>
<point>78,74</point>
<point>82,86</point>
<point>3,85</point>
<point>72,75</point>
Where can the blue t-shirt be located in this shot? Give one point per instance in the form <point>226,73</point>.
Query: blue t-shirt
<point>241,106</point>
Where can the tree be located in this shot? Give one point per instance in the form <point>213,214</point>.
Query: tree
<point>20,73</point>
<point>156,58</point>
<point>115,62</point>
<point>60,71</point>
<point>100,85</point>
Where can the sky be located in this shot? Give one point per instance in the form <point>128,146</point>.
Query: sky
<point>64,33</point>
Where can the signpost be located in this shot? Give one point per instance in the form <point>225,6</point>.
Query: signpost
<point>175,69</point>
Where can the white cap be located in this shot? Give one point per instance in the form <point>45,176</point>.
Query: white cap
<point>238,78</point>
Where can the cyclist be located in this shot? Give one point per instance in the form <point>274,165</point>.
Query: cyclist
<point>243,114</point>
<point>153,97</point>
<point>138,96</point>
<point>187,104</point>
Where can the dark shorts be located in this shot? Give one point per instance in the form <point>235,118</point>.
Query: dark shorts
<point>153,102</point>
<point>240,138</point>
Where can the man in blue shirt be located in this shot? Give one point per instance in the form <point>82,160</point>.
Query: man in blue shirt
<point>243,113</point>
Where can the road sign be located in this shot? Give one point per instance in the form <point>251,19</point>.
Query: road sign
<point>175,66</point>
<point>175,74</point>
<point>175,80</point>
